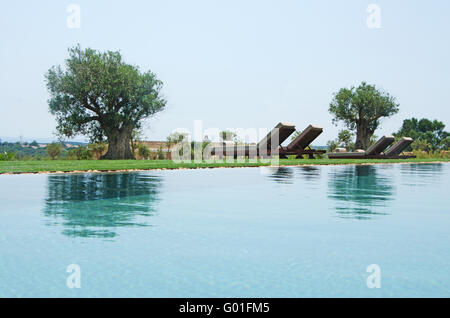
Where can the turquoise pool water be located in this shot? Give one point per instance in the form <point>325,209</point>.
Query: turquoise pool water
<point>246,232</point>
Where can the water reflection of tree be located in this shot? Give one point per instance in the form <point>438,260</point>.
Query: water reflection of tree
<point>93,205</point>
<point>421,174</point>
<point>282,175</point>
<point>360,191</point>
<point>309,172</point>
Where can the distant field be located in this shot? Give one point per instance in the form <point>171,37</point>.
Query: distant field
<point>115,165</point>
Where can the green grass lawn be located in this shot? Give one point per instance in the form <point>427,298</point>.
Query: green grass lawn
<point>112,165</point>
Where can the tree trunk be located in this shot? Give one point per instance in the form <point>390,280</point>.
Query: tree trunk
<point>362,138</point>
<point>119,145</point>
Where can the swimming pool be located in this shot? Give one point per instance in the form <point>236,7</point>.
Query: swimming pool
<point>245,232</point>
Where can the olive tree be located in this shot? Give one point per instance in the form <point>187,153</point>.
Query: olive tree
<point>361,109</point>
<point>99,95</point>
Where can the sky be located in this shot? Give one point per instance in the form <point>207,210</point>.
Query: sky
<point>234,64</point>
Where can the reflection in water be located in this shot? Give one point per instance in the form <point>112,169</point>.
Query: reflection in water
<point>93,205</point>
<point>282,175</point>
<point>285,175</point>
<point>309,172</point>
<point>360,191</point>
<point>421,174</point>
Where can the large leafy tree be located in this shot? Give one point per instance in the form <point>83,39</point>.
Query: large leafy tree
<point>102,97</point>
<point>425,132</point>
<point>361,109</point>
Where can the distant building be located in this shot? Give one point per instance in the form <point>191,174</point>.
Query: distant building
<point>71,146</point>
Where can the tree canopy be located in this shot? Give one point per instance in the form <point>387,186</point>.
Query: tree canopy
<point>360,109</point>
<point>99,95</point>
<point>428,134</point>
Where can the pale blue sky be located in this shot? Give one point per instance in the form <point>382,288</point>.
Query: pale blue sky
<point>235,64</point>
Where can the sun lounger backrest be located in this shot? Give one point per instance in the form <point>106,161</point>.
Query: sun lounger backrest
<point>305,137</point>
<point>279,134</point>
<point>380,145</point>
<point>397,148</point>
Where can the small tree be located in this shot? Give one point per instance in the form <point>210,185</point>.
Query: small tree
<point>143,151</point>
<point>54,150</point>
<point>344,140</point>
<point>332,145</point>
<point>361,109</point>
<point>161,155</point>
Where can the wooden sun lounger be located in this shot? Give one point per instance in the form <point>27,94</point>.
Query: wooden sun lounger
<point>398,148</point>
<point>372,152</point>
<point>376,150</point>
<point>378,147</point>
<point>301,142</point>
<point>264,148</point>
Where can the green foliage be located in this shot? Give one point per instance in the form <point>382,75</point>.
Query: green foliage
<point>319,156</point>
<point>420,154</point>
<point>7,156</point>
<point>23,152</point>
<point>343,140</point>
<point>97,149</point>
<point>332,145</point>
<point>80,153</point>
<point>445,143</point>
<point>143,151</point>
<point>421,145</point>
<point>54,150</point>
<point>360,109</point>
<point>161,155</point>
<point>426,133</point>
<point>100,96</point>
